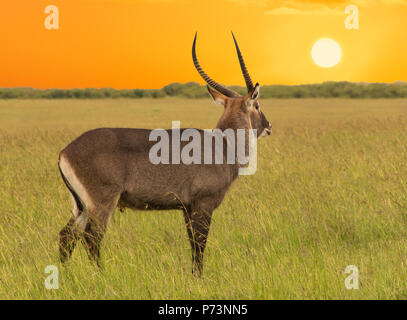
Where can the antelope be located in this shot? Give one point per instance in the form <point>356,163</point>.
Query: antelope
<point>108,168</point>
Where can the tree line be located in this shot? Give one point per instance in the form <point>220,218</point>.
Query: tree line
<point>194,90</point>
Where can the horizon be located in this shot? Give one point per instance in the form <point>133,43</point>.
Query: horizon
<point>402,82</point>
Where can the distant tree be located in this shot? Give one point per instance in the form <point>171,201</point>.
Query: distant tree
<point>194,90</point>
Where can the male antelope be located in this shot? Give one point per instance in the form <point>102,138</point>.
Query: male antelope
<point>109,167</point>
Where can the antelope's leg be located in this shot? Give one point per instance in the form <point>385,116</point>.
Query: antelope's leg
<point>68,237</point>
<point>93,236</point>
<point>198,223</point>
<point>70,234</point>
<point>98,220</point>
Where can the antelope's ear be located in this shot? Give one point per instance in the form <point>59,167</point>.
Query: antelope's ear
<point>219,98</point>
<point>253,95</point>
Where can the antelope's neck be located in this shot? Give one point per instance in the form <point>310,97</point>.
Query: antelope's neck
<point>240,139</point>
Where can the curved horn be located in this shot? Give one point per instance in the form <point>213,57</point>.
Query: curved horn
<point>247,79</point>
<point>222,89</point>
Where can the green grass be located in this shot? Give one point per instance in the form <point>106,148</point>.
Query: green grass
<point>330,191</point>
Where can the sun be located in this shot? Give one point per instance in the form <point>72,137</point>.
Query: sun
<point>326,53</point>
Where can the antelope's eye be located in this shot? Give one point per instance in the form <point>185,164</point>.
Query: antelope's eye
<point>257,107</point>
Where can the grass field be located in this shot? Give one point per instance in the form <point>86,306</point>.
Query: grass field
<point>330,191</point>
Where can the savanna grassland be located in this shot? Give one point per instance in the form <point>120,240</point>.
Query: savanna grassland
<point>330,191</point>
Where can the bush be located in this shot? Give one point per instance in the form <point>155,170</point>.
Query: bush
<point>194,90</point>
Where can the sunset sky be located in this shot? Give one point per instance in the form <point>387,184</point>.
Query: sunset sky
<point>147,43</point>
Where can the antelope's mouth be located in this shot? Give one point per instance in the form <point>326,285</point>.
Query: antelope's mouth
<point>266,132</point>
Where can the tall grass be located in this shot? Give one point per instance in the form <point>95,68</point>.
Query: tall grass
<point>330,191</point>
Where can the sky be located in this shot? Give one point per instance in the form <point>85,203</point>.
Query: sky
<point>127,44</point>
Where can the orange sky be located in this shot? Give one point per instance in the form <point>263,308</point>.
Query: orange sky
<point>147,43</point>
